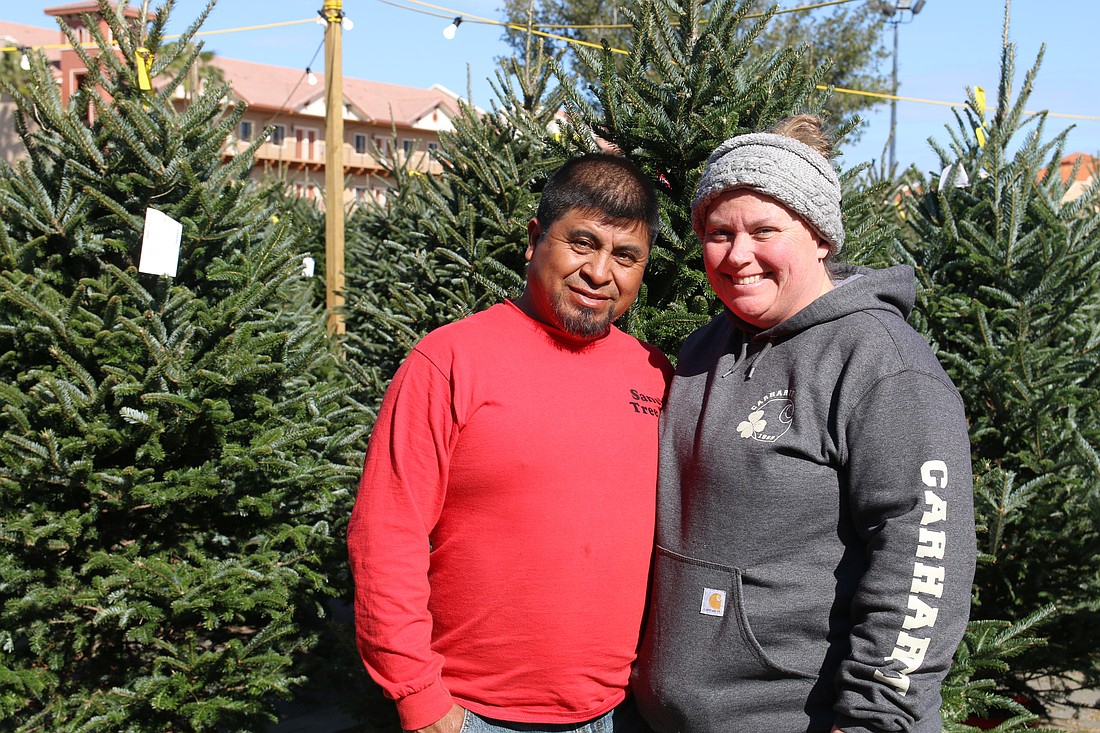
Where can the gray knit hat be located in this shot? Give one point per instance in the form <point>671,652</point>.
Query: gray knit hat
<point>789,171</point>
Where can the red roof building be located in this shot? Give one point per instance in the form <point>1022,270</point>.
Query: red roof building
<point>381,121</point>
<point>1084,177</point>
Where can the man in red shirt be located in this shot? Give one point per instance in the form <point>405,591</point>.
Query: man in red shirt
<point>501,538</point>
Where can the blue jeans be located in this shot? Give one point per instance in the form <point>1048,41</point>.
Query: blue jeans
<point>622,719</point>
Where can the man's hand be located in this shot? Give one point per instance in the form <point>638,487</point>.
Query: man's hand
<point>449,723</point>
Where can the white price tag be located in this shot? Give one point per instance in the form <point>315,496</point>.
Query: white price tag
<point>160,244</point>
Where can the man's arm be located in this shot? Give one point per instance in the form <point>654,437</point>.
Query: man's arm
<point>449,723</point>
<point>911,499</point>
<point>399,501</point>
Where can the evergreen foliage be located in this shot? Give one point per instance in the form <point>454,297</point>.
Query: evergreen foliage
<point>1009,291</point>
<point>690,83</point>
<point>850,36</point>
<point>443,247</point>
<point>11,69</point>
<point>446,246</point>
<point>970,694</point>
<point>177,454</point>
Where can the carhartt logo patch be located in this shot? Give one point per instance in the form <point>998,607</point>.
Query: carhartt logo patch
<point>770,417</point>
<point>714,602</point>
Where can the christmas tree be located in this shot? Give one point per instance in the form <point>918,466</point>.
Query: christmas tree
<point>177,452</point>
<point>1009,296</point>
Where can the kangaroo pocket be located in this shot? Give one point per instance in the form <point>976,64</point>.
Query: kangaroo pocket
<point>700,662</point>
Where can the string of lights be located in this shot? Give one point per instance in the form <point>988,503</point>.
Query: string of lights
<point>464,18</point>
<point>609,26</point>
<point>458,18</point>
<point>307,77</point>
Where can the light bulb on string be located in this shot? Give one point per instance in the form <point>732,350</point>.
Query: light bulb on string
<point>311,78</point>
<point>24,62</point>
<point>345,21</point>
<point>449,31</point>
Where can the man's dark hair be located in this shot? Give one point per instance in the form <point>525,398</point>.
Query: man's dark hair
<point>606,184</point>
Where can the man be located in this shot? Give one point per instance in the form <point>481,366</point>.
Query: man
<point>502,534</point>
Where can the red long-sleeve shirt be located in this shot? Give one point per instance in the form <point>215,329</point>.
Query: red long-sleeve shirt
<point>502,534</point>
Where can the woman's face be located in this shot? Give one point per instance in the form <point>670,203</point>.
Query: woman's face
<point>762,260</point>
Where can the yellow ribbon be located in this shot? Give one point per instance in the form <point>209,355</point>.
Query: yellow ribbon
<point>979,97</point>
<point>144,63</point>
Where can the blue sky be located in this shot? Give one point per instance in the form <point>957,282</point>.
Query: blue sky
<point>950,45</point>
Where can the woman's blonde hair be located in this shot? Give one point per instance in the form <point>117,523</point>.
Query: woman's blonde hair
<point>807,129</point>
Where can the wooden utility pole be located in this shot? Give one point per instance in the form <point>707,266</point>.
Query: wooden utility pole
<point>333,13</point>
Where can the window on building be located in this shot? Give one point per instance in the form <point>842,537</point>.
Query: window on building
<point>383,145</point>
<point>433,146</point>
<point>407,145</point>
<point>244,131</point>
<point>360,144</point>
<point>278,134</point>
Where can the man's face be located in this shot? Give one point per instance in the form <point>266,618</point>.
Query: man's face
<point>582,273</point>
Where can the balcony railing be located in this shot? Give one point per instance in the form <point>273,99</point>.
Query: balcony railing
<point>312,155</point>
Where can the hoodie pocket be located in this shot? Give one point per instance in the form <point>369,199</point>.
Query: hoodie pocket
<point>699,655</point>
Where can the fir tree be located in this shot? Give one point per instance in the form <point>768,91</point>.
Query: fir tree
<point>443,247</point>
<point>177,453</point>
<point>690,83</point>
<point>1009,291</point>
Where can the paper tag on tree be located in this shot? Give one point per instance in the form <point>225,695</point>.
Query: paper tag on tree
<point>160,244</point>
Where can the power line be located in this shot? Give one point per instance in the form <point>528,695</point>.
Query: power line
<point>93,44</point>
<point>250,28</point>
<point>283,107</point>
<point>597,26</point>
<point>943,104</point>
<point>445,12</point>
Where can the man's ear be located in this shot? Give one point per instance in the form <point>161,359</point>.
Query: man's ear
<point>534,233</point>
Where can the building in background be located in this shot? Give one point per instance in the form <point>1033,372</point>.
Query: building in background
<point>381,121</point>
<point>1085,176</point>
<point>17,35</point>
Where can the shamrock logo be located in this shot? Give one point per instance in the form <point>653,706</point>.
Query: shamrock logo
<point>755,424</point>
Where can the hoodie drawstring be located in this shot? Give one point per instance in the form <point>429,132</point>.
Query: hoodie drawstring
<point>743,357</point>
<point>758,358</point>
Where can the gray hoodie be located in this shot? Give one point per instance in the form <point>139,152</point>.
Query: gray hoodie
<point>815,539</point>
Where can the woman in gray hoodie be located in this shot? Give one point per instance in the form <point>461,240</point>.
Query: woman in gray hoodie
<point>815,520</point>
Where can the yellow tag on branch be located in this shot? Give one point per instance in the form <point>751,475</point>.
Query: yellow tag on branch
<point>979,97</point>
<point>144,62</point>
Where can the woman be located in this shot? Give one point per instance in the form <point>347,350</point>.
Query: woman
<point>815,520</point>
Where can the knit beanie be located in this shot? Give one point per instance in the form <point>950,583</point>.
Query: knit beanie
<point>789,171</point>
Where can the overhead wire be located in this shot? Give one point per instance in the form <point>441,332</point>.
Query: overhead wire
<point>602,26</point>
<point>490,21</point>
<point>265,26</point>
<point>92,44</point>
<point>450,12</point>
<point>283,107</point>
<point>536,29</point>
